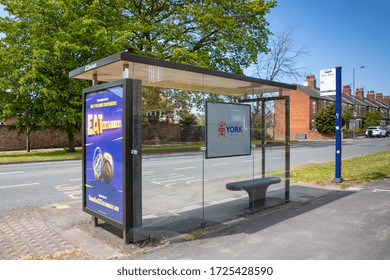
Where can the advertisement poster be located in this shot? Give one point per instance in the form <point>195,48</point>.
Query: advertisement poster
<point>103,152</point>
<point>227,130</point>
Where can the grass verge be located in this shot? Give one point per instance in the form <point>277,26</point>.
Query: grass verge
<point>16,157</point>
<point>355,171</point>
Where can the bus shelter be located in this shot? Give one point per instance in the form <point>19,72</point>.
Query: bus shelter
<point>112,129</point>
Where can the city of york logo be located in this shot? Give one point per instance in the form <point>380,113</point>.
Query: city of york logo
<point>222,129</point>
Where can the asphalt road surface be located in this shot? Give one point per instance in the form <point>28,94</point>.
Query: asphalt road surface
<point>30,185</point>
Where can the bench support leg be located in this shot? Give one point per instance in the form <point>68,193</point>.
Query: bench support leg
<point>256,197</point>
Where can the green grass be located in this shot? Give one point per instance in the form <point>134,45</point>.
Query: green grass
<point>61,154</point>
<point>15,157</point>
<point>354,171</point>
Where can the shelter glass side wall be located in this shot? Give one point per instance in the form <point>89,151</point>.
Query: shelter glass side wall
<point>184,190</point>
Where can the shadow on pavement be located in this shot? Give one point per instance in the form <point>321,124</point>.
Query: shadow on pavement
<point>223,213</point>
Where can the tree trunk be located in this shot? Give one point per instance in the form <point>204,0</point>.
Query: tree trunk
<point>71,141</point>
<point>28,141</point>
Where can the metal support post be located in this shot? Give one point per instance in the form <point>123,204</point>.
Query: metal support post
<point>287,151</point>
<point>338,154</point>
<point>263,138</point>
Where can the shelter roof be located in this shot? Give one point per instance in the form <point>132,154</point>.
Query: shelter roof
<point>165,74</point>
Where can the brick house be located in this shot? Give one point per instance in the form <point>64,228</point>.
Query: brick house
<point>306,101</point>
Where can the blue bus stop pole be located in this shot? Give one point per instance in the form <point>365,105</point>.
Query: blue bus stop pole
<point>338,154</point>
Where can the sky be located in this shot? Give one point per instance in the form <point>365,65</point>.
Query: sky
<point>346,33</point>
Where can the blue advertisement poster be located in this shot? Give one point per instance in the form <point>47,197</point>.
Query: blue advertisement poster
<point>103,152</point>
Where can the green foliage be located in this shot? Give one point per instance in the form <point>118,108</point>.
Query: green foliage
<point>372,119</point>
<point>188,118</point>
<point>219,34</point>
<point>44,40</point>
<point>325,120</point>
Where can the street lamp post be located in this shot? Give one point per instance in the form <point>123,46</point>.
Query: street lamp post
<point>353,100</point>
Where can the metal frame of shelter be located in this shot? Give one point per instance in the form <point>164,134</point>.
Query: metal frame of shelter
<point>287,137</point>
<point>132,72</point>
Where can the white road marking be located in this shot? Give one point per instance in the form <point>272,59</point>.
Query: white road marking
<point>73,192</point>
<point>14,172</point>
<point>193,181</point>
<point>174,180</point>
<point>381,190</point>
<point>219,164</point>
<point>185,168</point>
<point>21,185</point>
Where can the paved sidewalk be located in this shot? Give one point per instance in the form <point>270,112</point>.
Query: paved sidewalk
<point>65,232</point>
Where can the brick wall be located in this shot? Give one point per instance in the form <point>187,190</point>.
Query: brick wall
<point>158,133</point>
<point>315,135</point>
<point>299,114</point>
<point>280,123</point>
<point>11,141</point>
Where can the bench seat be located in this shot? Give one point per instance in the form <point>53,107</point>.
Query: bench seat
<point>256,189</point>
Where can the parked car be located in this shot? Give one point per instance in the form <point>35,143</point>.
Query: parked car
<point>375,131</point>
<point>387,131</point>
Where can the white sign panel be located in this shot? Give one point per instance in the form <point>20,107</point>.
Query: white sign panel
<point>328,81</point>
<point>227,130</point>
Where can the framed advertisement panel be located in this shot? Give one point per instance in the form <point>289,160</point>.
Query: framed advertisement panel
<point>111,169</point>
<point>228,130</point>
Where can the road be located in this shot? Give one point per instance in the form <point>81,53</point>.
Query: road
<point>30,185</point>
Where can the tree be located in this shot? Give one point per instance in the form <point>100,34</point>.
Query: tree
<point>283,61</point>
<point>18,99</point>
<point>325,119</point>
<point>54,37</point>
<point>372,118</point>
<point>44,41</point>
<point>223,35</point>
<point>220,34</point>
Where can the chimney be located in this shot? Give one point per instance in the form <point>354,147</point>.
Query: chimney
<point>386,99</point>
<point>379,97</point>
<point>360,93</point>
<point>347,89</point>
<point>371,94</point>
<point>311,81</point>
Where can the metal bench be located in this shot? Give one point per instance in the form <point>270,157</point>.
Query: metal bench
<point>256,189</point>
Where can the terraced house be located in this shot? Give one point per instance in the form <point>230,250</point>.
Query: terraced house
<point>306,101</point>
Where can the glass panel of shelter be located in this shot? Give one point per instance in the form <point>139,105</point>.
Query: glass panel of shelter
<point>185,191</point>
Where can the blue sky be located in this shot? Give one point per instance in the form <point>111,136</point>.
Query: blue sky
<point>346,33</point>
